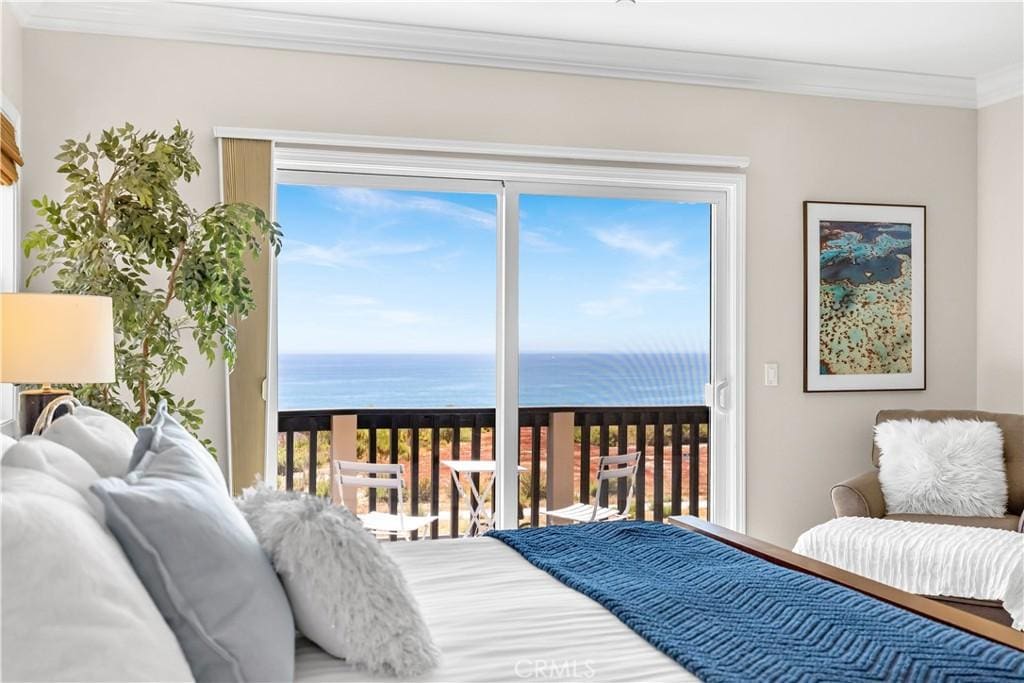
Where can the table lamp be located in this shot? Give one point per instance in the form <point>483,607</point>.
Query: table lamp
<point>51,339</point>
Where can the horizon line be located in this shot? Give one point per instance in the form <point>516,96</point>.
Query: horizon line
<point>484,353</point>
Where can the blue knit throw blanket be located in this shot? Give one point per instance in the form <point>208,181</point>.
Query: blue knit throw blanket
<point>726,615</point>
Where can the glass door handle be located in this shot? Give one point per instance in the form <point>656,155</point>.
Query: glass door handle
<point>715,395</point>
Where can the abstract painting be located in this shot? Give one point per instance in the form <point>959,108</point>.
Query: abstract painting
<point>864,281</point>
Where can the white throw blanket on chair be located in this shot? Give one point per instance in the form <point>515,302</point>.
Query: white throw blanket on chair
<point>927,559</point>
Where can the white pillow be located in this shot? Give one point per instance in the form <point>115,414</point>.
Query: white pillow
<point>59,462</point>
<point>73,608</point>
<point>102,440</point>
<point>17,480</point>
<point>348,596</point>
<point>953,467</point>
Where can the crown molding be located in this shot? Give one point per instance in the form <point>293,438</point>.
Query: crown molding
<point>999,86</point>
<point>224,24</point>
<point>22,11</point>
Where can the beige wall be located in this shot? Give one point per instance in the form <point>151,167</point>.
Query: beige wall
<point>1001,257</point>
<point>801,148</point>
<point>10,56</point>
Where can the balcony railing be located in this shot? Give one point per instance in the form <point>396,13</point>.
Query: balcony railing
<point>559,447</point>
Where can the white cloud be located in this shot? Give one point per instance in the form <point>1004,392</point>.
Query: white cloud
<point>352,300</point>
<point>540,241</point>
<point>445,260</point>
<point>346,255</point>
<point>360,196</point>
<point>453,210</point>
<point>605,308</point>
<point>365,309</point>
<point>633,241</point>
<point>383,201</point>
<point>660,282</point>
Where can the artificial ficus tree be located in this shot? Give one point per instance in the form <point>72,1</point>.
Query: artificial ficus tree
<point>124,231</point>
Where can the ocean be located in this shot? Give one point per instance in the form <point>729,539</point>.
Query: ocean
<point>467,381</point>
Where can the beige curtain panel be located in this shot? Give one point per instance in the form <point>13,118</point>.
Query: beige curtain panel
<point>10,155</point>
<point>247,167</point>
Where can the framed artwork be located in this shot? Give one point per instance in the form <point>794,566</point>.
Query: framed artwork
<point>864,297</point>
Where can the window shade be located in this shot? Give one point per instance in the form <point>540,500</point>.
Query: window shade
<point>10,155</point>
<point>247,171</point>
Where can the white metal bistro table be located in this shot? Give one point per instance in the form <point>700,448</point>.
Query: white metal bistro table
<point>476,496</point>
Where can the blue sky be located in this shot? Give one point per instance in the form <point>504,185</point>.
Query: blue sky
<point>380,271</point>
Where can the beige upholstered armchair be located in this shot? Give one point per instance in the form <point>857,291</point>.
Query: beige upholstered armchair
<point>862,495</point>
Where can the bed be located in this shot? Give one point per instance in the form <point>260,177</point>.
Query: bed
<point>496,617</point>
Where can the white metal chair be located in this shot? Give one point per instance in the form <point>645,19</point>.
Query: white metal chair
<point>389,476</point>
<point>609,467</point>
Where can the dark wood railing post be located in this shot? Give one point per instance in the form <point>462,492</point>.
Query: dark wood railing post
<point>659,468</point>
<point>535,473</point>
<point>393,451</point>
<point>289,460</point>
<point>585,459</point>
<point>623,448</point>
<point>456,453</point>
<point>435,474</point>
<point>313,437</point>
<point>640,485</point>
<point>371,456</point>
<point>695,464</point>
<point>677,464</point>
<point>474,454</point>
<point>414,472</point>
<point>602,487</point>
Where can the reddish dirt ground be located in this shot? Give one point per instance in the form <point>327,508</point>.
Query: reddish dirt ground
<point>525,446</point>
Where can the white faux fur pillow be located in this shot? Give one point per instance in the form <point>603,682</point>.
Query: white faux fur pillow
<point>952,467</point>
<point>347,595</point>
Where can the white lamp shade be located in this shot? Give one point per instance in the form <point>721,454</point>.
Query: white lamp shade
<point>56,339</point>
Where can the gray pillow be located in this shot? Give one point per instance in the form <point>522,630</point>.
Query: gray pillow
<point>198,558</point>
<point>317,548</point>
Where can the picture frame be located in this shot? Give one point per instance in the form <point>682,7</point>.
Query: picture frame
<point>864,297</point>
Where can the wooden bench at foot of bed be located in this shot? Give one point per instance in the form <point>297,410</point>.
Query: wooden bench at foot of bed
<point>918,604</point>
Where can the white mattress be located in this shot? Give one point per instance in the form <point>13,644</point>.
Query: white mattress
<point>496,617</point>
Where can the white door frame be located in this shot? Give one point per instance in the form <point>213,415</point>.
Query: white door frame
<point>725,190</point>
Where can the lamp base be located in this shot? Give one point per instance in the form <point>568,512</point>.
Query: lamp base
<point>31,404</point>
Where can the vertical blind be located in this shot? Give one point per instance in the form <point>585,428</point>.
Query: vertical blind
<point>10,155</point>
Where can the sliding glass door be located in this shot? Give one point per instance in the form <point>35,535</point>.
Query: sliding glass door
<point>386,315</point>
<point>500,339</point>
<point>614,335</point>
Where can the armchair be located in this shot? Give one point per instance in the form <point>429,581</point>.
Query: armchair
<point>861,496</point>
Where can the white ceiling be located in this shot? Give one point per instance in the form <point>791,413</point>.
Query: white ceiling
<point>947,53</point>
<point>955,39</point>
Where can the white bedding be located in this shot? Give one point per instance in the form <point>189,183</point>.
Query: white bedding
<point>497,618</point>
<point>927,559</point>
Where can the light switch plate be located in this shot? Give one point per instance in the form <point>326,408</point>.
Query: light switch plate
<point>771,374</point>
